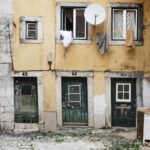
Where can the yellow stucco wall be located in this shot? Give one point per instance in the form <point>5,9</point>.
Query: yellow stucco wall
<point>82,57</point>
<point>34,56</point>
<point>119,58</point>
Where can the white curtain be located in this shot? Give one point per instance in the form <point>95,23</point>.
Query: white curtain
<point>118,24</point>
<point>120,19</point>
<point>131,21</point>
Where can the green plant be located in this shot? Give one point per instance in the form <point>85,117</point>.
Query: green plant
<point>127,145</point>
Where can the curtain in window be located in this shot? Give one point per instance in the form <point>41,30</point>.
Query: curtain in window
<point>118,24</point>
<point>131,21</point>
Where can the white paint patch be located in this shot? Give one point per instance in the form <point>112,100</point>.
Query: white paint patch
<point>146,92</point>
<point>99,111</point>
<point>99,104</point>
<point>146,133</point>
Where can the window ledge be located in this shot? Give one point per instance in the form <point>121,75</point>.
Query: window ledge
<point>76,42</point>
<point>121,43</point>
<point>25,41</point>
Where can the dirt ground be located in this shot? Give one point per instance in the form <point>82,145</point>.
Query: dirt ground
<point>73,139</point>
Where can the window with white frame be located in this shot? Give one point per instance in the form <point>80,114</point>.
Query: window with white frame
<point>74,93</point>
<point>31,29</point>
<point>124,18</point>
<point>72,19</point>
<point>123,21</point>
<point>123,92</point>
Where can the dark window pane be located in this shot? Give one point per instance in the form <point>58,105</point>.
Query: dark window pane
<point>67,19</point>
<point>32,26</point>
<point>126,95</point>
<point>32,34</point>
<point>126,87</point>
<point>26,89</point>
<point>80,24</point>
<point>120,95</point>
<point>31,30</point>
<point>120,87</point>
<point>74,89</point>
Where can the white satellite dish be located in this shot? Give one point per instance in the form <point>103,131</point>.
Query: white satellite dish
<point>95,14</point>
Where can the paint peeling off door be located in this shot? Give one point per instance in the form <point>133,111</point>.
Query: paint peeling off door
<point>74,101</point>
<point>123,95</point>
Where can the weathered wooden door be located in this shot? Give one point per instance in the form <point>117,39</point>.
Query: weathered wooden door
<point>123,98</point>
<point>74,101</point>
<point>26,100</point>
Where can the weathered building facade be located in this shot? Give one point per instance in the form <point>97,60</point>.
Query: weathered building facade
<point>97,81</point>
<point>6,80</point>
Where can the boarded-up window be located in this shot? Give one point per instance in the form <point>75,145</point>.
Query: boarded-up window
<point>26,100</point>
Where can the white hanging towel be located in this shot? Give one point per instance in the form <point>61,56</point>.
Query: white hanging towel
<point>67,37</point>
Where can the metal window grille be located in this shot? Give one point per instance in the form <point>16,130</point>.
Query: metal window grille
<point>74,93</point>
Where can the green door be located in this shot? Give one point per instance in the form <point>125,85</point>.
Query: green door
<point>123,95</point>
<point>74,101</point>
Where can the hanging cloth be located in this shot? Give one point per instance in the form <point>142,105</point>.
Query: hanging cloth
<point>130,38</point>
<point>102,43</point>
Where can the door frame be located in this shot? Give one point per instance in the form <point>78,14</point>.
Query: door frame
<point>139,92</point>
<point>89,76</point>
<point>40,83</point>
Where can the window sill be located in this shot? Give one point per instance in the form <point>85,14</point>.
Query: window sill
<point>123,43</point>
<point>86,42</point>
<point>26,41</point>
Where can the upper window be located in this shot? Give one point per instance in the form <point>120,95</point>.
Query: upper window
<point>123,21</point>
<point>126,18</point>
<point>31,30</point>
<point>73,20</point>
<point>70,17</point>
